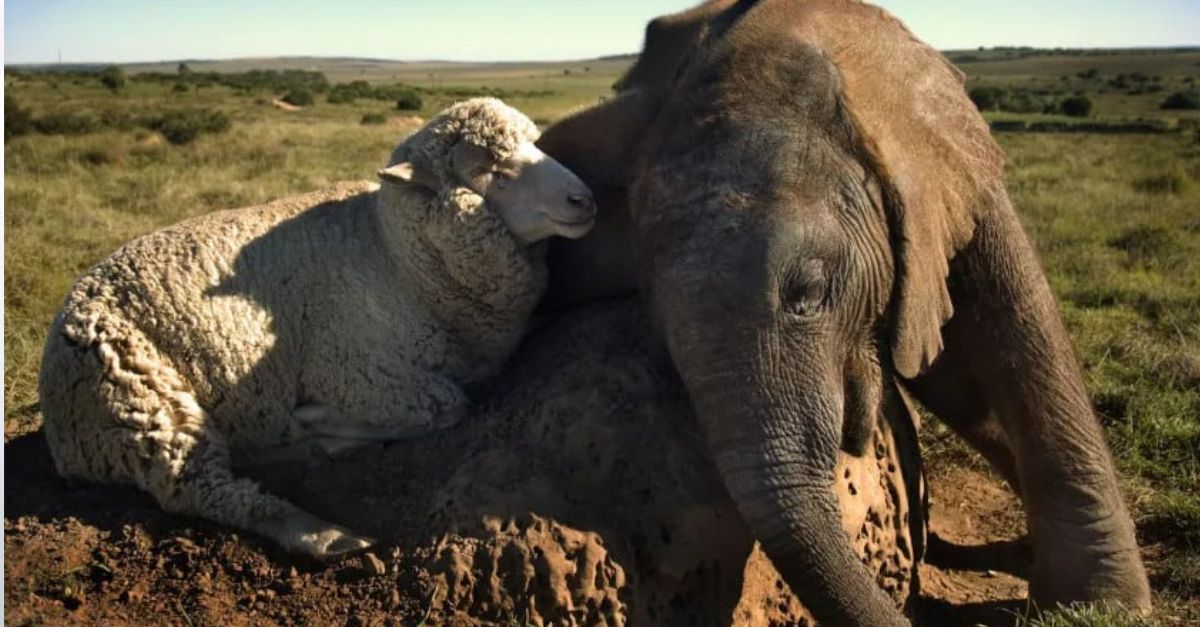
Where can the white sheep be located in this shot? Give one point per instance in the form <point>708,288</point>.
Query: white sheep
<point>338,317</point>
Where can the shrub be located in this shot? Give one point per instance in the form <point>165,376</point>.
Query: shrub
<point>17,121</point>
<point>112,77</point>
<point>117,119</point>
<point>64,123</point>
<point>1022,101</point>
<point>409,100</point>
<point>372,118</point>
<point>103,154</point>
<point>986,98</point>
<point>298,96</point>
<point>179,88</point>
<point>1077,106</point>
<point>349,92</point>
<point>337,96</point>
<point>1180,101</point>
<point>181,127</point>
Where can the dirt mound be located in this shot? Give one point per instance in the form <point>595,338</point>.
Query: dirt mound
<point>579,493</point>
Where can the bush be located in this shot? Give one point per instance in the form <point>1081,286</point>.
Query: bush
<point>298,96</point>
<point>17,121</point>
<point>1076,106</point>
<point>986,98</point>
<point>181,127</point>
<point>112,77</point>
<point>179,88</point>
<point>409,100</point>
<point>100,155</point>
<point>1014,99</point>
<point>65,123</point>
<point>1022,101</point>
<point>349,92</point>
<point>117,119</point>
<point>1182,101</point>
<point>372,118</point>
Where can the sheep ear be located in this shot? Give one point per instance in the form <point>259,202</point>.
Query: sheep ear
<point>401,173</point>
<point>406,173</point>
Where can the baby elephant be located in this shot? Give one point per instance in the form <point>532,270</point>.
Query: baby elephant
<point>331,319</point>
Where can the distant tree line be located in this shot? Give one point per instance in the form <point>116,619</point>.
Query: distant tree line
<point>1019,100</point>
<point>1009,53</point>
<point>296,87</point>
<point>277,81</point>
<point>178,126</point>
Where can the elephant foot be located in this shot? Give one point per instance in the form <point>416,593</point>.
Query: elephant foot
<point>1083,576</point>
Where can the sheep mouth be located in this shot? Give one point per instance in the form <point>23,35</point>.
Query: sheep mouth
<point>579,221</point>
<point>575,228</point>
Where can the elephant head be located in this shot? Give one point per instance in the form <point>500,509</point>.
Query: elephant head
<point>811,196</point>
<point>768,236</point>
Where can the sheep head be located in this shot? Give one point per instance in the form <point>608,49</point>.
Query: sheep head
<point>488,147</point>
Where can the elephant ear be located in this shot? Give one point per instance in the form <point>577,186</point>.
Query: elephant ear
<point>931,147</point>
<point>668,40</point>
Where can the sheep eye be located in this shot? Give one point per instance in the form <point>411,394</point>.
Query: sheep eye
<point>505,174</point>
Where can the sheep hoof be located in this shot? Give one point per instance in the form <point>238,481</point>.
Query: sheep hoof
<point>333,543</point>
<point>348,544</point>
<point>301,532</point>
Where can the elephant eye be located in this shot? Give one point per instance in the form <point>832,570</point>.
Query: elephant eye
<point>804,289</point>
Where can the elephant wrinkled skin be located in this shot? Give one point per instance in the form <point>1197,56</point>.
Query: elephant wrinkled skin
<point>818,212</point>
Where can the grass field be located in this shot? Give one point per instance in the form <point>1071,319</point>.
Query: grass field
<point>1116,219</point>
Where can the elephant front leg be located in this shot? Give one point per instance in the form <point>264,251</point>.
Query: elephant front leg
<point>1008,333</point>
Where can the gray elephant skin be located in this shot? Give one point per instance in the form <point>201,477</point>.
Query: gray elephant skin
<point>814,211</point>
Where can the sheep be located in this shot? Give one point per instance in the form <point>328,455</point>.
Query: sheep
<point>331,319</point>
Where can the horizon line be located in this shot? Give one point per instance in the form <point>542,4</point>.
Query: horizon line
<point>605,57</point>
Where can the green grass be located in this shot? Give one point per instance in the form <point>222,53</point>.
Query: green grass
<point>1087,616</point>
<point>1117,222</point>
<point>1116,219</point>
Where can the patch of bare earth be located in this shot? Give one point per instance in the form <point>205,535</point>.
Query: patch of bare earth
<point>580,493</point>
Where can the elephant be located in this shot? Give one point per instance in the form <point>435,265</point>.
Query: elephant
<point>814,212</point>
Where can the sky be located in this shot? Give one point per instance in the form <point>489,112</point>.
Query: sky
<point>38,31</point>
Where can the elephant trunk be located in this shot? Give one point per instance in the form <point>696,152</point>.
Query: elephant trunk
<point>779,471</point>
<point>772,416</point>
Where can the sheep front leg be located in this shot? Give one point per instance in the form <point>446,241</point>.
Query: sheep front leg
<point>207,487</point>
<point>382,410</point>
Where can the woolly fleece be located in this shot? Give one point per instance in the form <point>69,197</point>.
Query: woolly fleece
<point>354,313</point>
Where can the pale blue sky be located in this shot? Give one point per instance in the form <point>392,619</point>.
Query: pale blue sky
<point>498,30</point>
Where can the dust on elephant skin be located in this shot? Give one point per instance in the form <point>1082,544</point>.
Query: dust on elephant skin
<point>581,492</point>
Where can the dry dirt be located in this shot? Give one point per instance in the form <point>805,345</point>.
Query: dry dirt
<point>580,493</point>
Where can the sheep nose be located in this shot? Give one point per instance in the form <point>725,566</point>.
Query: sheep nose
<point>583,201</point>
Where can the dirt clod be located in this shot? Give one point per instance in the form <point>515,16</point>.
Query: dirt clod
<point>372,565</point>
